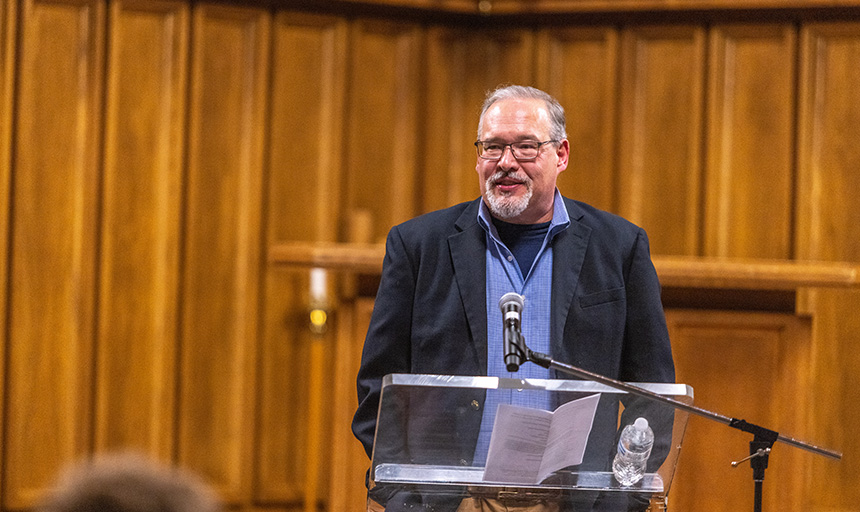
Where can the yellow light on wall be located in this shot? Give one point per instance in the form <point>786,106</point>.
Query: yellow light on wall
<point>318,300</point>
<point>318,320</point>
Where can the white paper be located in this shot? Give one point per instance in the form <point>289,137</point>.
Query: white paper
<point>527,445</point>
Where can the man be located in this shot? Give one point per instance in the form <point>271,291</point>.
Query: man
<point>592,295</point>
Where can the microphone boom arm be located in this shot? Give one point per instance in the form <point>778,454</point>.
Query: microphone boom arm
<point>760,432</point>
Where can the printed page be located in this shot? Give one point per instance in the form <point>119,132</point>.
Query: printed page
<point>568,435</point>
<point>517,444</point>
<point>527,445</point>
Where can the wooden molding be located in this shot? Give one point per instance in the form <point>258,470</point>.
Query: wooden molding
<point>675,272</point>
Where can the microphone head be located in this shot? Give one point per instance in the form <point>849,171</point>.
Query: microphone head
<point>511,298</point>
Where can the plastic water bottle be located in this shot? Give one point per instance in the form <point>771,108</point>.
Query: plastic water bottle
<point>634,448</point>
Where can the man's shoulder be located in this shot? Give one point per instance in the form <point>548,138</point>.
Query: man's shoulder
<point>438,221</point>
<point>596,218</point>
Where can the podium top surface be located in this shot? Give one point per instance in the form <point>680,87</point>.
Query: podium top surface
<point>550,385</point>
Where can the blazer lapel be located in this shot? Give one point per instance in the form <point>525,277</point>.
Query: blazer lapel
<point>468,254</point>
<point>568,254</point>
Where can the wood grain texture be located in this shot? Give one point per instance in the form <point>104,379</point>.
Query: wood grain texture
<point>827,228</point>
<point>750,141</point>
<point>53,252</point>
<point>8,17</point>
<point>382,123</point>
<point>222,278</point>
<point>661,135</point>
<point>305,147</point>
<point>140,227</point>
<point>750,366</point>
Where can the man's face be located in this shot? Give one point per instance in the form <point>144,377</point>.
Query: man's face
<point>520,192</point>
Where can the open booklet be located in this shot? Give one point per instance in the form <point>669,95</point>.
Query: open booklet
<point>527,445</point>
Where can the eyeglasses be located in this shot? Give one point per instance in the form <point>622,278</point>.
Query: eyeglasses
<point>522,150</point>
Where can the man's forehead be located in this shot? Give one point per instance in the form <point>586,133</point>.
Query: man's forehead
<point>527,116</point>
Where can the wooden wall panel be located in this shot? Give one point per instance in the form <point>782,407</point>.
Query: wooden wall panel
<point>308,89</point>
<point>579,67</point>
<point>382,124</point>
<point>306,132</point>
<point>349,462</point>
<point>750,141</point>
<point>8,17</point>
<point>222,275</point>
<point>751,366</point>
<point>141,221</point>
<point>304,190</point>
<point>285,368</point>
<point>829,156</point>
<point>52,258</point>
<point>827,226</point>
<point>462,66</point>
<point>661,135</point>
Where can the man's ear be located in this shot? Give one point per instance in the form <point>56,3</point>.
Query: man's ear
<point>563,153</point>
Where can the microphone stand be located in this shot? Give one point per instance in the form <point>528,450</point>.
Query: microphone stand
<point>760,446</point>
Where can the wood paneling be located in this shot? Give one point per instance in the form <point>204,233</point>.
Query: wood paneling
<point>382,124</point>
<point>142,313</point>
<point>827,227</point>
<point>750,141</point>
<point>8,18</point>
<point>829,155</point>
<point>307,90</point>
<point>751,366</point>
<point>462,66</point>
<point>579,67</point>
<point>141,223</point>
<point>221,269</point>
<point>348,461</point>
<point>661,135</point>
<point>52,257</point>
<point>296,399</point>
<point>508,7</point>
<point>306,132</point>
<point>284,399</point>
<point>303,191</point>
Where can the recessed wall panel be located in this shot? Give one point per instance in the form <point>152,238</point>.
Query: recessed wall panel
<point>827,229</point>
<point>750,141</point>
<point>382,137</point>
<point>141,223</point>
<point>52,255</point>
<point>223,230</point>
<point>659,152</point>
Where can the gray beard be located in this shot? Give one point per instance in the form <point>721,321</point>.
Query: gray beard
<point>502,206</point>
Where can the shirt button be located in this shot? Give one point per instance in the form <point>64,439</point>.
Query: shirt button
<point>475,405</point>
<point>510,258</point>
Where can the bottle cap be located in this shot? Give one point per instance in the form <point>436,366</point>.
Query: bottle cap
<point>640,424</point>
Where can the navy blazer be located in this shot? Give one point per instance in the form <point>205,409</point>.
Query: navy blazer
<point>430,311</point>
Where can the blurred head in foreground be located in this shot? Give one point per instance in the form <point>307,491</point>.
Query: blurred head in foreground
<point>128,483</point>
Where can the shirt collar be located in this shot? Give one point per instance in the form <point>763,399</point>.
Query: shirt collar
<point>560,219</point>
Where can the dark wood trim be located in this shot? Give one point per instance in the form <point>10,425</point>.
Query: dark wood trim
<point>520,13</point>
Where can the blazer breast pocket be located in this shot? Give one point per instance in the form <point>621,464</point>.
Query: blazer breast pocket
<point>601,297</point>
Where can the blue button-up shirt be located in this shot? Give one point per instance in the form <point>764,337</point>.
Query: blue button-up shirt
<point>535,285</point>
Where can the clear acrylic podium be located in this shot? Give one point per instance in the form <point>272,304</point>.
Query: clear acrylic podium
<point>424,455</point>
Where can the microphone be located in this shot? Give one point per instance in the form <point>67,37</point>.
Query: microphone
<point>511,305</point>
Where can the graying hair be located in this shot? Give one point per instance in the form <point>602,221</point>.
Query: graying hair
<point>129,483</point>
<point>557,129</point>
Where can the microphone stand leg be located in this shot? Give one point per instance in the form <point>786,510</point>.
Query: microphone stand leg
<point>759,451</point>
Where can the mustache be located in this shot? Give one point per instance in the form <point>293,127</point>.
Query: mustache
<point>515,175</point>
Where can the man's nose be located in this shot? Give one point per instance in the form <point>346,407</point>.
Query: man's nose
<point>507,159</point>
